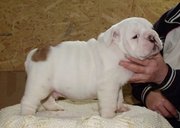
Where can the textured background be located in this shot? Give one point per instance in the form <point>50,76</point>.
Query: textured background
<point>26,24</point>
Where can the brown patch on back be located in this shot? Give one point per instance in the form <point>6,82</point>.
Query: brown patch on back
<point>41,54</point>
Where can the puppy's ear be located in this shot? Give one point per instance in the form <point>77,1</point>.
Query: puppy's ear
<point>111,36</point>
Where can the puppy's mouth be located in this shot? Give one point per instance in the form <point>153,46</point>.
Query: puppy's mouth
<point>155,49</point>
<point>157,45</point>
<point>152,38</point>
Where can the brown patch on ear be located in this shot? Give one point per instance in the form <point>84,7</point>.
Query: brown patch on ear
<point>41,54</point>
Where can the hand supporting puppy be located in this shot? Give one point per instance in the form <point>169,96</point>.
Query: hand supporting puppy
<point>153,69</point>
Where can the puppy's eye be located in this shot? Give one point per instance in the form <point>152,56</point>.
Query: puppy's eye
<point>135,37</point>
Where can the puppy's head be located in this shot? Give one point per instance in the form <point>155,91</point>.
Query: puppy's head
<point>135,37</point>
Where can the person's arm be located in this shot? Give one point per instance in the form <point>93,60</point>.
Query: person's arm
<point>153,95</point>
<point>140,91</point>
<point>164,98</point>
<point>170,87</point>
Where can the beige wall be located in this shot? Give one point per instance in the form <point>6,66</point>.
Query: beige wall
<point>26,24</point>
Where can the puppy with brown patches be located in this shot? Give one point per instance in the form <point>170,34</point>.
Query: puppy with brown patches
<point>85,70</point>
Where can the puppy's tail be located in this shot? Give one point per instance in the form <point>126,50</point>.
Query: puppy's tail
<point>28,61</point>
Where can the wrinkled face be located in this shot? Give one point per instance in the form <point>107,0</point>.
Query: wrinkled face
<point>135,37</point>
<point>139,39</point>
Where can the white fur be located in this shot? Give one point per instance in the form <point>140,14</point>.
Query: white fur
<point>87,70</point>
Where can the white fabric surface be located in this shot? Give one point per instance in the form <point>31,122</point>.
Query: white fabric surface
<point>81,115</point>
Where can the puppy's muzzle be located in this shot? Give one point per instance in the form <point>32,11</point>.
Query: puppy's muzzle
<point>152,39</point>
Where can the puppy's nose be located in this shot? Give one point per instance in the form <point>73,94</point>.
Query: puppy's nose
<point>151,39</point>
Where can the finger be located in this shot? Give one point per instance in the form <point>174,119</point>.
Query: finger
<point>138,61</point>
<point>164,112</point>
<point>166,108</point>
<point>170,108</point>
<point>132,67</point>
<point>138,78</point>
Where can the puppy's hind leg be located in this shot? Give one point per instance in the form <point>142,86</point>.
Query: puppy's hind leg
<point>35,92</point>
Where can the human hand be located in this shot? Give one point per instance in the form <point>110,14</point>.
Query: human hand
<point>157,102</point>
<point>149,70</point>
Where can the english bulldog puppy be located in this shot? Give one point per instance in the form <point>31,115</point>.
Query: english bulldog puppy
<point>90,69</point>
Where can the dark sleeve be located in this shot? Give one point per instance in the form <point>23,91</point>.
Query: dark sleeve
<point>141,90</point>
<point>170,87</point>
<point>168,21</point>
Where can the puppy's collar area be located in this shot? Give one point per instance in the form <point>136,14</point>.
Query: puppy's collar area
<point>128,56</point>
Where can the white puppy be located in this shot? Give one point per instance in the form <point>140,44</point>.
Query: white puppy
<point>87,70</point>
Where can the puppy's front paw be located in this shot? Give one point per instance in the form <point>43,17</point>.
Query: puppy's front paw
<point>107,114</point>
<point>122,108</point>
